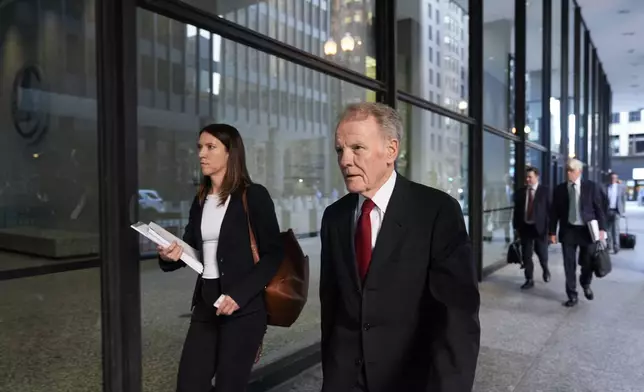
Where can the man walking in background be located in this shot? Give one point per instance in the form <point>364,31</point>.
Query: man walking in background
<point>530,220</point>
<point>575,203</point>
<point>616,208</point>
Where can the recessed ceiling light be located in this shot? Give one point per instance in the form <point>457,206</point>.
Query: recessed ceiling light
<point>635,85</point>
<point>629,33</point>
<point>630,51</point>
<point>623,12</point>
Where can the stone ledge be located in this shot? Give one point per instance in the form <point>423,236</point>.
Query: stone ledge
<point>49,243</point>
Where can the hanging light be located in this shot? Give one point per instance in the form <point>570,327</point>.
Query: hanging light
<point>330,47</point>
<point>347,43</point>
<point>462,105</point>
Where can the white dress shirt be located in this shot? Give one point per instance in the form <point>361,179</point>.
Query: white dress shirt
<point>578,221</point>
<point>381,200</point>
<point>527,198</point>
<point>612,196</point>
<point>212,218</point>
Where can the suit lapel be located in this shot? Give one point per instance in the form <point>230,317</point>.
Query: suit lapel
<point>392,229</point>
<point>346,230</point>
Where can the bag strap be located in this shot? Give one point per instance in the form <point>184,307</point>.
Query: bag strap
<point>253,242</point>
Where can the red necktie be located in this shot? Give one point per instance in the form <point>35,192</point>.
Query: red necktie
<point>363,238</point>
<point>530,203</point>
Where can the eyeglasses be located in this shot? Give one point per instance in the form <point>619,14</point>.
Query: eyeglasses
<point>570,169</point>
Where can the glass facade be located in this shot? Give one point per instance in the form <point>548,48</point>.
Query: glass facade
<point>98,132</point>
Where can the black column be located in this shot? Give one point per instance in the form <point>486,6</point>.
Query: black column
<point>385,28</point>
<point>593,114</point>
<point>546,89</point>
<point>117,156</point>
<point>475,152</point>
<point>519,91</point>
<point>600,124</point>
<point>577,81</point>
<point>564,99</point>
<point>586,103</point>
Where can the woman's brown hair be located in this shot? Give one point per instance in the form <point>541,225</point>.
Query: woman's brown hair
<point>236,172</point>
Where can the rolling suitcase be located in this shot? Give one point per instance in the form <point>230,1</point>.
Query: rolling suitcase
<point>626,241</point>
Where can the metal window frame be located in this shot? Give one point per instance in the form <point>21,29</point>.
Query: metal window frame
<point>116,62</point>
<point>520,18</point>
<point>587,99</point>
<point>475,131</point>
<point>564,101</point>
<point>546,90</point>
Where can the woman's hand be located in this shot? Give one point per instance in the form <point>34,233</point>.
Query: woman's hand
<point>171,253</point>
<point>227,306</point>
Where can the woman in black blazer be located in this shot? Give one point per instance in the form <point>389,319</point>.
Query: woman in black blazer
<point>224,340</point>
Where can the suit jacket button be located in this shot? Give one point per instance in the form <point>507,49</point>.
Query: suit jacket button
<point>367,326</point>
<point>358,361</point>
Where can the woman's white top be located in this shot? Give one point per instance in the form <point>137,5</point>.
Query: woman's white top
<point>213,216</point>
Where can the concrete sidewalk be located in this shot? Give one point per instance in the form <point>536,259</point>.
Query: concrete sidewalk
<point>531,343</point>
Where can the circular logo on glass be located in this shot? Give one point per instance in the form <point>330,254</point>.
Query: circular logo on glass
<point>28,104</point>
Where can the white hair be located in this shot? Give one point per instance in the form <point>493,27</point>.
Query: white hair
<point>575,164</point>
<point>387,118</point>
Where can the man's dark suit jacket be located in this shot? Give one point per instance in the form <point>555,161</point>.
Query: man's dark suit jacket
<point>541,209</point>
<point>413,324</point>
<point>240,277</point>
<point>591,206</point>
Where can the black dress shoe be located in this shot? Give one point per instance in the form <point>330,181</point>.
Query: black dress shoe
<point>529,283</point>
<point>546,276</point>
<point>588,293</point>
<point>570,303</point>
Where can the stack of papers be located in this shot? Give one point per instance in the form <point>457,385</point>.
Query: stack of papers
<point>164,238</point>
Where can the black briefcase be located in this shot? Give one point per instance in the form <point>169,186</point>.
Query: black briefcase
<point>600,260</point>
<point>626,241</point>
<point>514,253</point>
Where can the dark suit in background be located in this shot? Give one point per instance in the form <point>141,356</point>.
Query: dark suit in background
<point>574,232</point>
<point>413,324</point>
<point>530,220</point>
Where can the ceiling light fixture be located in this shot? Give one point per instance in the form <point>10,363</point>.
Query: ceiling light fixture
<point>631,51</point>
<point>624,12</point>
<point>629,33</point>
<point>635,85</point>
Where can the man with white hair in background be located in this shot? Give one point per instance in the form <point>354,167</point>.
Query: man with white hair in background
<point>575,203</point>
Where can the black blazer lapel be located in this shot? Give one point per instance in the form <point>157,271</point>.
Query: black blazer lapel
<point>392,229</point>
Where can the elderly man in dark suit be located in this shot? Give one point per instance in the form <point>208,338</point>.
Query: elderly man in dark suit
<point>530,220</point>
<point>398,285</point>
<point>575,204</point>
<point>616,197</point>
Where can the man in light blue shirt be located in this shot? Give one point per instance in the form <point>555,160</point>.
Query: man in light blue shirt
<point>616,206</point>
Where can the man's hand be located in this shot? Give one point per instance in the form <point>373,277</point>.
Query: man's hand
<point>553,239</point>
<point>602,235</point>
<point>227,306</point>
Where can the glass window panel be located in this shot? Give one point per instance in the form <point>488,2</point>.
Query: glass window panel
<point>498,191</point>
<point>534,158</point>
<point>340,31</point>
<point>446,167</point>
<point>51,332</point>
<point>289,140</point>
<point>498,66</point>
<point>48,182</point>
<point>446,54</point>
<point>534,56</point>
<point>555,86</point>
